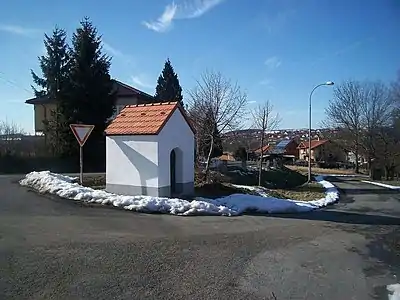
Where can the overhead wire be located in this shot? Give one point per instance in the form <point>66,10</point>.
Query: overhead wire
<point>2,76</point>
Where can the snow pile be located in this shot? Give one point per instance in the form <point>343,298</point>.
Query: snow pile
<point>394,291</point>
<point>343,175</point>
<point>331,194</point>
<point>388,186</point>
<point>64,186</point>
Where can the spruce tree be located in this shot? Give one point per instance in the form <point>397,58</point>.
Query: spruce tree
<point>54,66</point>
<point>91,98</point>
<point>168,87</point>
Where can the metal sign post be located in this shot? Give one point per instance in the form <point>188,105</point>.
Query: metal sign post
<point>81,133</point>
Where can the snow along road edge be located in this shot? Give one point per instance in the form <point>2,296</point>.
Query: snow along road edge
<point>388,186</point>
<point>233,205</point>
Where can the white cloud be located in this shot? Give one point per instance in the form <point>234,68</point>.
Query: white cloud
<point>187,10</point>
<point>275,23</point>
<point>164,22</point>
<point>273,62</point>
<point>141,81</point>
<point>111,50</point>
<point>18,30</point>
<point>267,83</point>
<point>114,52</point>
<point>197,8</point>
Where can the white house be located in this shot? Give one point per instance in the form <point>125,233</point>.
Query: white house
<point>150,151</point>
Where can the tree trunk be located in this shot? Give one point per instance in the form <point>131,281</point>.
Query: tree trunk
<point>261,159</point>
<point>357,170</point>
<point>209,159</point>
<point>386,172</point>
<point>244,164</point>
<point>370,167</point>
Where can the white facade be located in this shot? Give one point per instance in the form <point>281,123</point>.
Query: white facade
<point>141,164</point>
<point>177,135</point>
<point>132,160</point>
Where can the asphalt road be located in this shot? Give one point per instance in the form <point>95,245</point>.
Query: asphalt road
<point>52,248</point>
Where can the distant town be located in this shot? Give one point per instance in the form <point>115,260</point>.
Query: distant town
<point>250,138</point>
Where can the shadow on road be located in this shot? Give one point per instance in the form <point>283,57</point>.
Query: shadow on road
<point>342,217</point>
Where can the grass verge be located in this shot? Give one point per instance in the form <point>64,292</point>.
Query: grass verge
<point>304,170</point>
<point>281,183</point>
<point>308,192</point>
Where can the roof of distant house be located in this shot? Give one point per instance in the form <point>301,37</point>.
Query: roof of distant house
<point>144,119</point>
<point>314,144</point>
<point>264,149</point>
<point>227,157</point>
<point>282,144</point>
<point>121,89</point>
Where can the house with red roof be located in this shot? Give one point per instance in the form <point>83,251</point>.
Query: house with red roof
<point>150,151</point>
<point>125,94</point>
<point>262,150</point>
<point>322,151</point>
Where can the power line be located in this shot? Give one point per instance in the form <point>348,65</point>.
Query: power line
<point>13,83</point>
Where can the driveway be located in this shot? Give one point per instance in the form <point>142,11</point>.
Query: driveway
<point>52,248</point>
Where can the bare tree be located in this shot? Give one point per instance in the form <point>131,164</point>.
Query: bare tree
<point>9,133</point>
<point>377,111</point>
<point>344,112</point>
<point>360,110</point>
<point>265,120</point>
<point>216,105</point>
<point>388,150</point>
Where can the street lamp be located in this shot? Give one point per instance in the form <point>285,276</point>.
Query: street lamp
<point>309,128</point>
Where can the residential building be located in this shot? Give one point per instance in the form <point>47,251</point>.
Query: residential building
<point>322,151</point>
<point>227,156</point>
<point>150,151</point>
<point>262,150</point>
<point>126,95</point>
<point>287,147</point>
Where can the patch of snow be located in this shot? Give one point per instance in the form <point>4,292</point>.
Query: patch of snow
<point>394,291</point>
<point>242,173</point>
<point>388,186</point>
<point>344,175</point>
<point>236,204</point>
<point>331,194</point>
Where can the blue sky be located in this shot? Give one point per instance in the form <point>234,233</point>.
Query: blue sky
<point>275,49</point>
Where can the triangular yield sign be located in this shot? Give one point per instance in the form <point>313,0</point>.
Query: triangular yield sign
<point>81,132</point>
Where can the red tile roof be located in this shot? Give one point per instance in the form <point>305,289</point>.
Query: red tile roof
<point>144,119</point>
<point>264,149</point>
<point>314,144</point>
<point>227,157</point>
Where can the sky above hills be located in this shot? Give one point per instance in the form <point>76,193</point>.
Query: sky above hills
<point>277,50</point>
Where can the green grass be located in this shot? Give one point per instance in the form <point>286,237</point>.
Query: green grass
<point>216,190</point>
<point>97,181</point>
<point>281,183</point>
<point>307,192</point>
<point>276,179</point>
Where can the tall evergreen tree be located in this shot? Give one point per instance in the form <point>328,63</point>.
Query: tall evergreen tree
<point>54,66</point>
<point>91,98</point>
<point>168,87</point>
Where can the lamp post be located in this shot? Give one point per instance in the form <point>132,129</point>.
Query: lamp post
<point>309,128</point>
